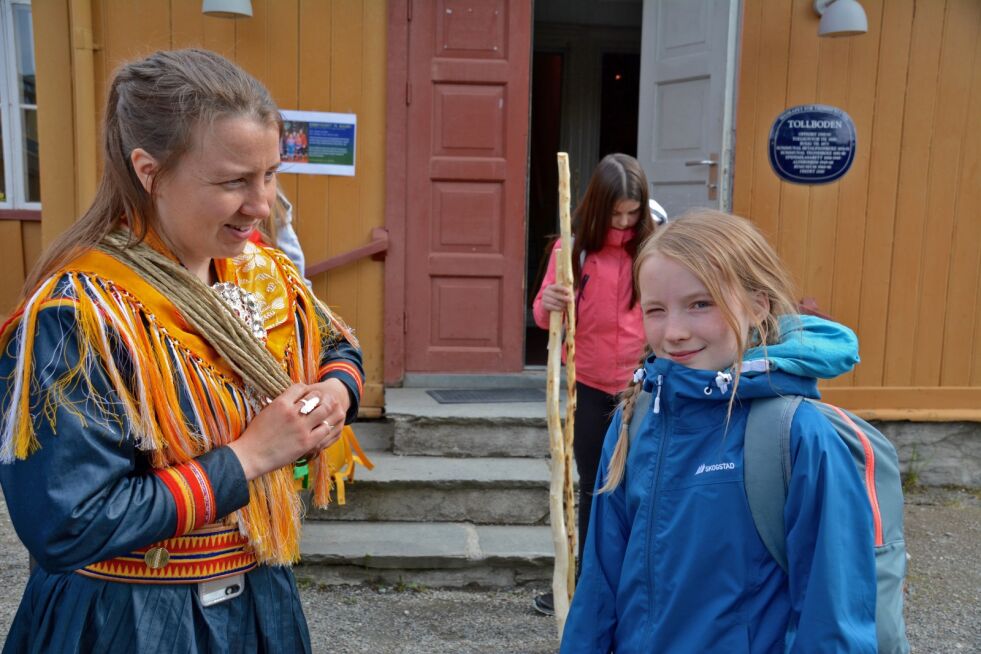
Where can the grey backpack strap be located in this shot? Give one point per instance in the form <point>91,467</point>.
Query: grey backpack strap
<point>766,469</point>
<point>641,406</point>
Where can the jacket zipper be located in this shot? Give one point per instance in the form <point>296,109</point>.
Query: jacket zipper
<point>655,484</point>
<point>582,291</point>
<point>869,475</point>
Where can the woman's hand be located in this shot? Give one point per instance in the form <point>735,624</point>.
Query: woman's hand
<point>556,297</point>
<point>336,399</point>
<point>291,426</point>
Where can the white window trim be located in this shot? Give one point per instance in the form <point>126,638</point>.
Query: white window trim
<point>10,115</point>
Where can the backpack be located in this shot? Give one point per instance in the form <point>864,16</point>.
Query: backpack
<point>766,476</point>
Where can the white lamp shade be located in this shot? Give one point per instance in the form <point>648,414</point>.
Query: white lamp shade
<point>227,8</point>
<point>842,18</point>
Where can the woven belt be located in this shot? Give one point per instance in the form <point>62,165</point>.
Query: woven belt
<point>211,552</point>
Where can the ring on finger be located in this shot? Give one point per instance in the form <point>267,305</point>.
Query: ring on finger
<point>309,404</point>
<point>330,427</point>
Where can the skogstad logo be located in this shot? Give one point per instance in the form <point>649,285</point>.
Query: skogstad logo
<point>715,467</point>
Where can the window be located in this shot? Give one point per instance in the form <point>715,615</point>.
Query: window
<point>20,186</point>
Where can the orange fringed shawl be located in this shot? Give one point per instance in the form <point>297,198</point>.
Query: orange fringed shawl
<point>167,361</point>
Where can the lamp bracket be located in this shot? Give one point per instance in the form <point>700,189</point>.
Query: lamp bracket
<point>820,6</point>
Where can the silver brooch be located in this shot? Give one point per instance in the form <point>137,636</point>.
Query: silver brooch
<point>243,304</point>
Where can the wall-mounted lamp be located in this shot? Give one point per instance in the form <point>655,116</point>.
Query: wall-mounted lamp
<point>227,8</point>
<point>841,18</point>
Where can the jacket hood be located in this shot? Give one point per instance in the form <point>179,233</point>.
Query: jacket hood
<point>810,348</point>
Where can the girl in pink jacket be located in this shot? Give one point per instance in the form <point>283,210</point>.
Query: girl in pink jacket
<point>608,227</point>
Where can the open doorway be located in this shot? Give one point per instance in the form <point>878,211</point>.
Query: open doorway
<point>543,180</point>
<point>619,95</point>
<point>584,100</point>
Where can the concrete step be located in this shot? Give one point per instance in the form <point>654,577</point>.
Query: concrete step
<point>374,434</point>
<point>438,554</point>
<point>424,427</point>
<point>469,436</point>
<point>458,497</point>
<point>442,489</point>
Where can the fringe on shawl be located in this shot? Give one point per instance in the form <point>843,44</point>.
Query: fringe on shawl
<point>318,329</point>
<point>150,394</point>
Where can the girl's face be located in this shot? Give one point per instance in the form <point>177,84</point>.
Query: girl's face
<point>626,213</point>
<point>218,192</point>
<point>681,320</point>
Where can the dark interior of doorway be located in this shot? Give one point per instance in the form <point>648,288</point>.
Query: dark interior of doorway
<point>619,97</point>
<point>543,180</point>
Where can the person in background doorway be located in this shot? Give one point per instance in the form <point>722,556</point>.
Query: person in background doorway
<point>278,229</point>
<point>609,225</point>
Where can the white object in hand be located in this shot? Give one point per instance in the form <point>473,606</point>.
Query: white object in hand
<point>309,404</point>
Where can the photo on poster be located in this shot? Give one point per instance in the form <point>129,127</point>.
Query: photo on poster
<point>318,143</point>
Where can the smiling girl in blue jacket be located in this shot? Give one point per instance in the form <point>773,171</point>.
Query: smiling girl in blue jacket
<point>673,562</point>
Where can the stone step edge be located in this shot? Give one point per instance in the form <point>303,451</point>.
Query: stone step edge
<point>483,577</point>
<point>437,420</point>
<point>351,487</point>
<point>423,546</point>
<point>369,479</point>
<point>393,468</point>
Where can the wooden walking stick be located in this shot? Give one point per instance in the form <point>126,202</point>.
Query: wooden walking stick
<point>561,514</point>
<point>565,230</point>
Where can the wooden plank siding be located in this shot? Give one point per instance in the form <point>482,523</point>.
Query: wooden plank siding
<point>893,249</point>
<point>21,247</point>
<point>964,318</point>
<point>313,55</point>
<point>11,263</point>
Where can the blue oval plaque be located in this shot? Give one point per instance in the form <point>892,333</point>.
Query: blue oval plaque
<point>812,144</point>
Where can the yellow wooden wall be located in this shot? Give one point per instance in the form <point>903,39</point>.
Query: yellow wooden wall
<point>893,249</point>
<point>313,55</point>
<point>21,241</point>
<point>20,244</point>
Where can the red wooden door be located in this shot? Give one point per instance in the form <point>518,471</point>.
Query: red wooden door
<point>467,156</point>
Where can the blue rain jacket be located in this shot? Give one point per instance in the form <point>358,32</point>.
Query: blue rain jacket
<point>673,562</point>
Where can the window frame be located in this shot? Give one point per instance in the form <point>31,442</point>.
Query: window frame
<point>11,109</point>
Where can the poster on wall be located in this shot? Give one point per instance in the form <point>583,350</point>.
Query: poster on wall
<point>318,143</point>
<point>812,144</point>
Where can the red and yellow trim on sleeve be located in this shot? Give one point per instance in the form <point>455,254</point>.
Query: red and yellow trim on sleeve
<point>345,367</point>
<point>193,495</point>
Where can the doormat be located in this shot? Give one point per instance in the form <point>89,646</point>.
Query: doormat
<point>487,395</point>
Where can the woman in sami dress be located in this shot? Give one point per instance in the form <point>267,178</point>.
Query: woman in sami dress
<point>149,429</point>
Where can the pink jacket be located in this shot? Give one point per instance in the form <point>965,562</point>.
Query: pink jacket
<point>609,332</point>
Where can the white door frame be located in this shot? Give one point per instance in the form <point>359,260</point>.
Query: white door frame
<point>728,154</point>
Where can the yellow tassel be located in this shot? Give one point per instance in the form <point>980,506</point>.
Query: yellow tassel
<point>339,485</point>
<point>335,465</point>
<point>25,440</point>
<point>320,479</point>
